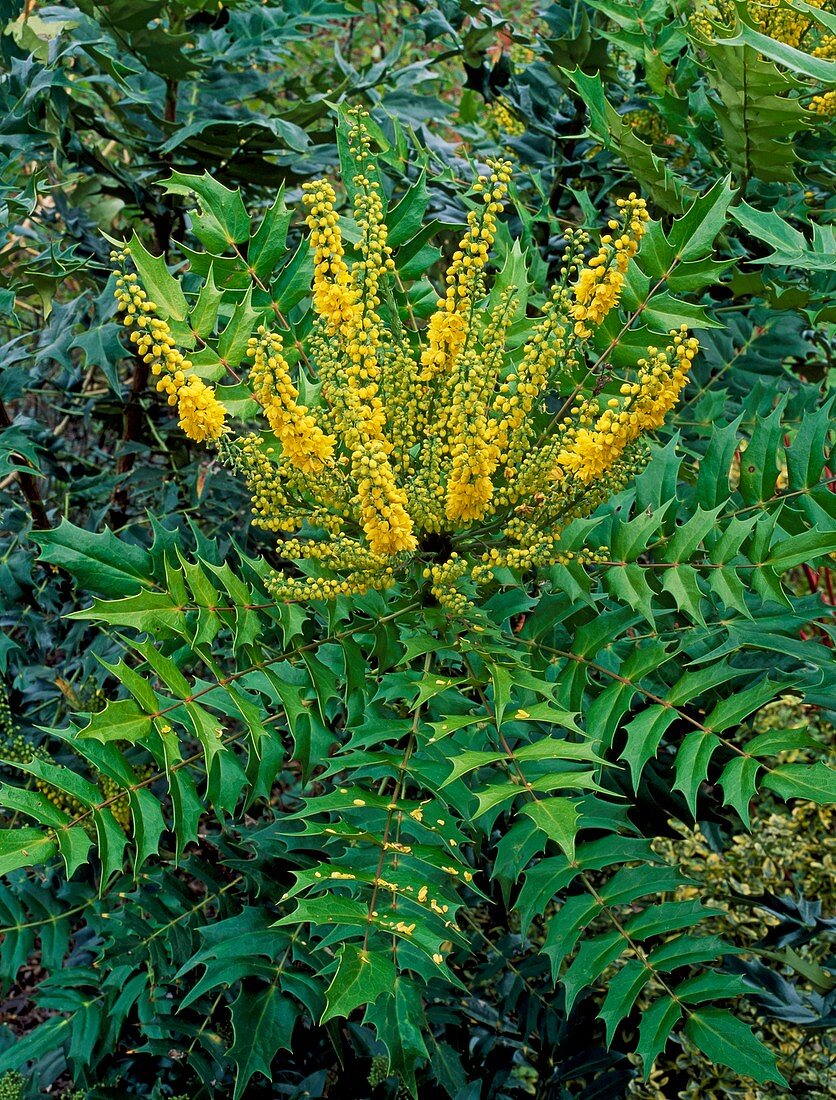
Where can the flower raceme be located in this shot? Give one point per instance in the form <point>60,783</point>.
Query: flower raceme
<point>434,446</point>
<point>201,415</point>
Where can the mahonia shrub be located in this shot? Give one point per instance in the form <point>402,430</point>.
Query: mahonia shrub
<point>496,638</point>
<point>440,448</point>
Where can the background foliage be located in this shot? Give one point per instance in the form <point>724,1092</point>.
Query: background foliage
<point>142,954</point>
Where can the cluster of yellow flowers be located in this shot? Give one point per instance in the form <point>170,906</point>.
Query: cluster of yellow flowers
<point>439,449</point>
<point>503,118</point>
<point>774,18</point>
<point>785,24</point>
<point>599,284</point>
<point>824,104</point>
<point>201,414</point>
<point>649,126</point>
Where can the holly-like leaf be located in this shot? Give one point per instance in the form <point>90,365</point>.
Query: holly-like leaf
<point>813,782</point>
<point>729,1042</point>
<point>98,562</point>
<point>655,1029</point>
<point>121,720</point>
<point>362,975</point>
<point>262,1024</point>
<point>558,819</point>
<point>400,1023</point>
<point>222,220</point>
<point>158,282</point>
<point>25,847</point>
<point>737,780</point>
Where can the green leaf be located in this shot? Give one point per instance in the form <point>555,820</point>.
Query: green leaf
<point>644,733</point>
<point>74,844</point>
<point>262,1024</point>
<point>99,563</point>
<point>469,761</point>
<point>713,477</point>
<point>33,804</point>
<point>631,883</point>
<point>566,927</point>
<point>655,1029</point>
<point>593,957</point>
<point>824,18</point>
<point>405,219</point>
<point>729,1042</point>
<point>42,1040</point>
<point>801,548</point>
<point>683,544</point>
<point>558,819</point>
<point>111,844</point>
<point>153,612</point>
<point>692,762</point>
<point>629,584</point>
<point>205,311</point>
<point>813,782</point>
<point>693,235</point>
<point>512,276</point>
<point>711,985</point>
<point>790,247</point>
<point>269,242</point>
<point>232,343</point>
<point>688,950</point>
<point>157,281</point>
<point>121,720</point>
<point>772,742</point>
<point>222,220</point>
<point>730,712</point>
<point>362,975</point>
<point>400,1023</point>
<point>447,1068</point>
<point>148,825</point>
<point>737,780</point>
<point>818,69</point>
<point>683,584</point>
<point>103,349</point>
<point>668,916</point>
<point>622,991</point>
<point>58,776</point>
<point>294,282</point>
<point>757,117</point>
<point>25,848</point>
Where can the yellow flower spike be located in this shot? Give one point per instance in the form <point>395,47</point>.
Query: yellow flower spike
<point>454,445</point>
<point>302,440</point>
<point>347,305</point>
<point>588,453</point>
<point>545,349</point>
<point>333,297</point>
<point>450,326</point>
<point>599,284</point>
<point>202,416</point>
